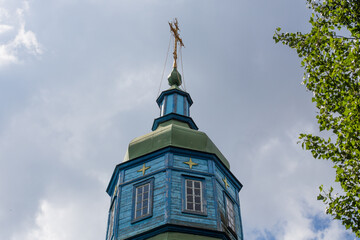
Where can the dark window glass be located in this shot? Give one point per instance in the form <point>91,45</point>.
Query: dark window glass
<point>194,195</point>
<point>142,204</point>
<point>230,213</point>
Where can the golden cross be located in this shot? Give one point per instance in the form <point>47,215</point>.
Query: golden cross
<point>191,163</point>
<point>226,183</point>
<point>143,169</point>
<point>174,28</point>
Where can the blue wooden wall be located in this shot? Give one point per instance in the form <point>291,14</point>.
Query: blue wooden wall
<point>168,171</point>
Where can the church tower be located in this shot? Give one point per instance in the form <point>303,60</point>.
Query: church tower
<point>174,183</point>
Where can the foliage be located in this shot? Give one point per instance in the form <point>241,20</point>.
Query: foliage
<point>331,59</point>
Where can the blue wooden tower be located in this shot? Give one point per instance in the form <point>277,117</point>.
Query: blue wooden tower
<point>174,183</point>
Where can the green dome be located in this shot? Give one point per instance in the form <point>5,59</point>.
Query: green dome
<point>173,134</point>
<point>174,78</point>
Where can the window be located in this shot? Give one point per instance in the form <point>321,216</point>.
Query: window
<point>111,220</point>
<point>142,200</point>
<point>186,108</point>
<point>169,104</point>
<point>194,198</point>
<point>230,214</point>
<point>162,106</point>
<point>142,204</point>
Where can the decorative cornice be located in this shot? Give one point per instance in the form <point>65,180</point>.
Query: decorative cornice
<point>180,229</point>
<point>174,116</point>
<point>174,150</point>
<point>173,90</point>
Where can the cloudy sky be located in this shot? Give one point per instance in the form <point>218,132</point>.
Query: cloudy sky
<point>79,79</point>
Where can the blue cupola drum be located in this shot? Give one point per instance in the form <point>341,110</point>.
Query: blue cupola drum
<point>175,101</point>
<point>174,104</point>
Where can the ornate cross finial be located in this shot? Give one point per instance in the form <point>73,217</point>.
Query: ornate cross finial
<point>174,28</point>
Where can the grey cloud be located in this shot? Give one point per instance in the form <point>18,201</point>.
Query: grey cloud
<point>66,118</point>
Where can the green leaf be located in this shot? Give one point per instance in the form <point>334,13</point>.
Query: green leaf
<point>331,61</point>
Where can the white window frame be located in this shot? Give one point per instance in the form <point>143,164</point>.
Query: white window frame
<point>194,200</point>
<point>193,192</point>
<point>142,200</point>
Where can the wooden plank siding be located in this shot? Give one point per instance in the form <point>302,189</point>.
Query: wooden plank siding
<point>169,172</point>
<point>177,216</point>
<point>202,164</point>
<point>154,164</point>
<point>220,178</point>
<point>222,210</point>
<point>125,226</point>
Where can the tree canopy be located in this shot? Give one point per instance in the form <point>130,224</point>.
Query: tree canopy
<point>330,55</point>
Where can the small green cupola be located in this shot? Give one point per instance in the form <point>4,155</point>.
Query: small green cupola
<point>174,127</point>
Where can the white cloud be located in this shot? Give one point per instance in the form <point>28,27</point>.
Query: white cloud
<point>6,56</point>
<point>64,220</point>
<point>61,137</point>
<point>22,42</point>
<point>281,189</point>
<point>4,28</point>
<point>51,220</point>
<point>68,140</point>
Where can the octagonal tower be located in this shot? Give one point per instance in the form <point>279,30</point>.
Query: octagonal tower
<point>174,183</point>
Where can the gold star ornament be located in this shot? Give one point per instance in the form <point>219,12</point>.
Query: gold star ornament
<point>143,169</point>
<point>191,163</point>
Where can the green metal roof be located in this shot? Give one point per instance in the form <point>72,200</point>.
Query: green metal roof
<point>175,134</point>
